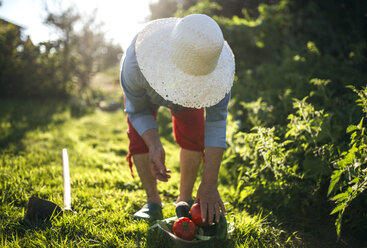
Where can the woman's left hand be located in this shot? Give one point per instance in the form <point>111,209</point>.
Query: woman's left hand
<point>210,202</point>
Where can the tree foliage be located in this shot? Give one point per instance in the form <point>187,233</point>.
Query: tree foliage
<point>57,68</point>
<point>64,23</point>
<point>168,8</point>
<point>25,70</point>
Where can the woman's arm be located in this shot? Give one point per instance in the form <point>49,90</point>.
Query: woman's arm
<point>208,195</point>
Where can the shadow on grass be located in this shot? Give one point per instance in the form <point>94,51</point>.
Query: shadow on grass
<point>17,117</point>
<point>19,229</point>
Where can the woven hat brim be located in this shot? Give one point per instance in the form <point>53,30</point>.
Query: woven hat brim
<point>169,81</point>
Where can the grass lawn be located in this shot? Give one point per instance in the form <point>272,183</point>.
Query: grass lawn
<point>104,195</point>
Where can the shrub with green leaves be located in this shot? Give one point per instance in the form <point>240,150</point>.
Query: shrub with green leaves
<point>349,178</point>
<point>283,161</point>
<point>287,169</point>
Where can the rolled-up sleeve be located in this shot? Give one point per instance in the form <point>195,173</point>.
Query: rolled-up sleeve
<point>216,123</point>
<point>136,99</point>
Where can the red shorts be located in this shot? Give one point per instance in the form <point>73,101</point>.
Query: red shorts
<point>188,129</point>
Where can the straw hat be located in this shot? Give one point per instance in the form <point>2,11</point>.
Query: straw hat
<point>186,60</point>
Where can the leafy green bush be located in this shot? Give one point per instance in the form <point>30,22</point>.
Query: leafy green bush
<point>276,63</point>
<point>349,178</point>
<point>28,72</point>
<point>287,170</point>
<point>277,159</point>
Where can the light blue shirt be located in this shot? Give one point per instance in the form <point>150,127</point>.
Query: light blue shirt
<point>141,98</point>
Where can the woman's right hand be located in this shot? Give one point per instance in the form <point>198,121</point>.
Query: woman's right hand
<point>157,155</point>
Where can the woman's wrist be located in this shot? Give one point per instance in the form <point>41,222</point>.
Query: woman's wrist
<point>210,180</point>
<point>151,139</point>
<point>213,159</point>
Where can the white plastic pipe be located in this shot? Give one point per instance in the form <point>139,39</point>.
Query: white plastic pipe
<point>67,190</point>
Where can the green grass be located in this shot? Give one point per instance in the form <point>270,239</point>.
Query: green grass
<point>104,195</point>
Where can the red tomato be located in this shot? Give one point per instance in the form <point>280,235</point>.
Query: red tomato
<point>184,228</point>
<point>195,213</point>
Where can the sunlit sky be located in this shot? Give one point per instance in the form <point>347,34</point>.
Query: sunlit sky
<point>122,18</point>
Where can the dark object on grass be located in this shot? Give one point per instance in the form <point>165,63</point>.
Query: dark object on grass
<point>41,209</point>
<point>183,209</point>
